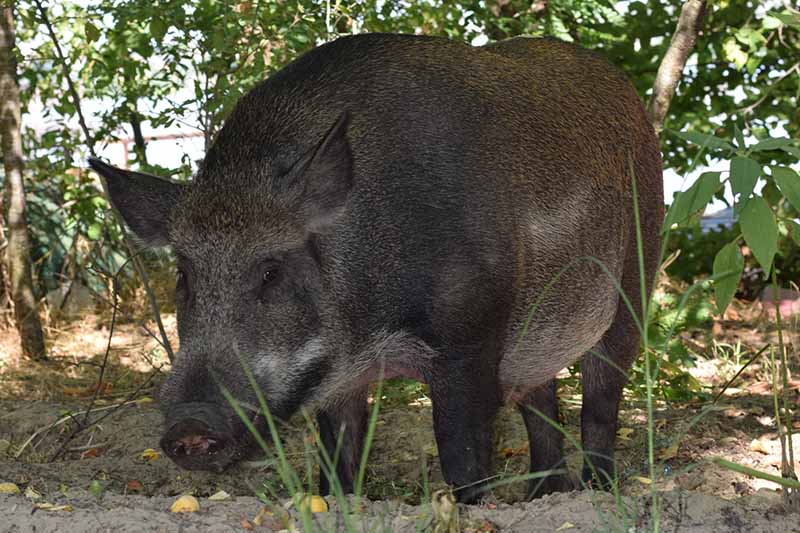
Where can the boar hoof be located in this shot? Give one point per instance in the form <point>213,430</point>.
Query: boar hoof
<point>548,485</point>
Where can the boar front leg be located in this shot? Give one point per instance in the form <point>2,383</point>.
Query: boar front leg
<point>342,427</point>
<point>465,395</point>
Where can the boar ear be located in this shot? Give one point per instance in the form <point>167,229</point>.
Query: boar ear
<point>144,201</point>
<point>323,178</point>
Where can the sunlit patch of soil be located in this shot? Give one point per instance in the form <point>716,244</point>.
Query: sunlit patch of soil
<point>404,463</point>
<point>76,355</point>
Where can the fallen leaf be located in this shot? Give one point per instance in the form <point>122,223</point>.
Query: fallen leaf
<point>431,449</point>
<point>445,512</point>
<point>134,485</point>
<point>643,480</point>
<point>219,495</point>
<point>96,488</point>
<point>144,400</point>
<point>52,507</point>
<point>91,452</point>
<point>757,445</point>
<point>261,515</point>
<point>9,488</point>
<point>481,527</point>
<point>104,389</point>
<point>624,433</point>
<point>185,504</point>
<point>31,493</point>
<point>734,412</point>
<point>150,455</point>
<point>268,519</point>
<point>565,525</point>
<point>669,452</point>
<point>5,446</point>
<point>246,524</point>
<point>509,452</point>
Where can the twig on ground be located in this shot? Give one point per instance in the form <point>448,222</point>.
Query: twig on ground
<point>81,428</point>
<point>730,381</point>
<point>61,421</point>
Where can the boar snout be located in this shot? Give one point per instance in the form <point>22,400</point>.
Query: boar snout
<point>199,437</point>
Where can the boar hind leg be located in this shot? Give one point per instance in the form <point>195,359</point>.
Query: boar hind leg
<point>539,409</point>
<point>342,428</point>
<point>465,400</point>
<point>604,374</point>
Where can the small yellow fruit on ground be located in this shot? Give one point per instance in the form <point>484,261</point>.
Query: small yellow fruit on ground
<point>150,455</point>
<point>315,504</point>
<point>185,504</point>
<point>9,488</point>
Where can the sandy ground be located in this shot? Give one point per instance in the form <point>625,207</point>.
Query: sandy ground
<point>137,488</point>
<point>584,511</point>
<point>40,452</point>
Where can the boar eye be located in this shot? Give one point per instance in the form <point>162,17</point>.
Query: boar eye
<point>268,274</point>
<point>263,276</point>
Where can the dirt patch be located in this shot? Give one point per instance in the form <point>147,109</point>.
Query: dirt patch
<point>41,454</point>
<point>578,511</point>
<point>138,489</point>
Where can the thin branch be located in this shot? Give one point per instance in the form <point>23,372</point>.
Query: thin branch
<point>671,68</point>
<point>80,428</point>
<point>66,68</point>
<point>104,364</point>
<point>137,262</point>
<point>750,108</point>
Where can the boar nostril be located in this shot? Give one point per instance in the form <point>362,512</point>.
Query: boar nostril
<point>196,445</point>
<point>177,448</point>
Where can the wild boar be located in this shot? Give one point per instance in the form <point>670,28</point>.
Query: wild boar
<point>402,205</point>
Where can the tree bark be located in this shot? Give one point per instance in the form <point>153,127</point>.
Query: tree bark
<point>5,289</point>
<point>669,73</point>
<point>18,248</point>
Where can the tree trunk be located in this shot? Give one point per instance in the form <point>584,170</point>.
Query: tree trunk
<point>5,289</point>
<point>670,70</point>
<point>18,249</point>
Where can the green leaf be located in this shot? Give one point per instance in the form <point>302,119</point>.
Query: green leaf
<point>744,175</point>
<point>94,231</point>
<point>702,139</point>
<point>96,488</point>
<point>728,261</point>
<point>792,150</point>
<point>158,28</point>
<point>760,231</point>
<point>92,33</point>
<point>773,144</point>
<point>734,52</point>
<point>788,18</point>
<point>794,231</point>
<point>693,199</point>
<point>770,23</point>
<point>788,182</point>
